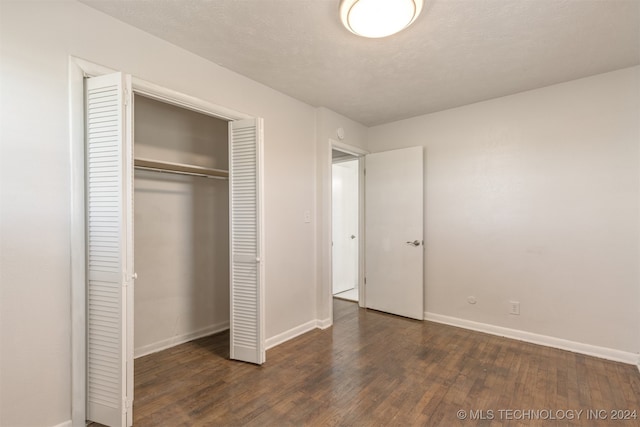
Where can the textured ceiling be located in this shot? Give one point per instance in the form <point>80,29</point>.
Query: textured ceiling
<point>456,53</point>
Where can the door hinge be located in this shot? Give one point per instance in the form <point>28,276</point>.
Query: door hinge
<point>126,97</point>
<point>365,280</point>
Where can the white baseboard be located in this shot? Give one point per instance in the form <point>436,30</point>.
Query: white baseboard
<point>576,347</point>
<point>324,323</point>
<point>180,339</point>
<point>64,424</point>
<point>290,334</point>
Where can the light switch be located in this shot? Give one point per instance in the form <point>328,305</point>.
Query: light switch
<point>307,216</point>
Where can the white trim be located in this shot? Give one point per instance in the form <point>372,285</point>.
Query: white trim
<point>362,270</point>
<point>346,148</point>
<point>324,323</point>
<point>159,93</point>
<point>128,204</point>
<point>90,69</point>
<point>77,238</point>
<point>298,330</point>
<point>180,339</point>
<point>548,341</point>
<point>290,334</point>
<point>187,102</point>
<point>344,159</point>
<point>67,423</point>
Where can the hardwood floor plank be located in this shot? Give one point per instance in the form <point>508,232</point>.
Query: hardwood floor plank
<point>375,369</point>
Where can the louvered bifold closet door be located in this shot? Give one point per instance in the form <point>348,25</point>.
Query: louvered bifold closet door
<point>108,202</point>
<point>245,192</point>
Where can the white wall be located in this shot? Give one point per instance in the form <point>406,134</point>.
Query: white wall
<point>181,228</point>
<point>355,135</point>
<point>535,197</point>
<point>37,39</point>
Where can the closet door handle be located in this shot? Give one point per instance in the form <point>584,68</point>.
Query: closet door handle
<point>134,276</point>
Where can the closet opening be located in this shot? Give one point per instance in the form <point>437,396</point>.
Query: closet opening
<point>181,225</point>
<point>104,277</point>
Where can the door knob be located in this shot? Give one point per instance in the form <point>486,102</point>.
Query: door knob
<point>352,237</point>
<point>414,243</point>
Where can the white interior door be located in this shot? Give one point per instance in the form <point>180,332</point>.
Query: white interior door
<point>109,250</point>
<point>394,235</point>
<point>344,225</point>
<point>246,250</point>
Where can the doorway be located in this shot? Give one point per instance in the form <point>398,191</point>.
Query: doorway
<point>345,225</point>
<point>346,229</point>
<point>390,245</point>
<point>103,277</point>
<point>181,232</point>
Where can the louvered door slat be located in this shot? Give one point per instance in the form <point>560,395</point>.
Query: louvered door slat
<point>247,335</point>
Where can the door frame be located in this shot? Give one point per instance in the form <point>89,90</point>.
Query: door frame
<point>78,70</point>
<point>355,161</point>
<point>359,153</point>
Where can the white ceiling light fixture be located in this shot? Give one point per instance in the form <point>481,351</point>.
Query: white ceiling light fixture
<point>378,18</point>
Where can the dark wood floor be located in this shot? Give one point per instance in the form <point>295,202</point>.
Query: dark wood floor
<point>374,369</point>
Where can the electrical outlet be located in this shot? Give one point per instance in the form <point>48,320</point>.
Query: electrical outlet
<point>307,216</point>
<point>514,307</point>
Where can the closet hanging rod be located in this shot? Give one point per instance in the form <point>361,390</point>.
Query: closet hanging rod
<point>180,168</point>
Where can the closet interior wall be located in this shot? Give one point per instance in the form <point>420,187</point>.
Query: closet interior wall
<point>181,228</point>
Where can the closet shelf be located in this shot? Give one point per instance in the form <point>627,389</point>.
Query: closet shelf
<point>180,168</point>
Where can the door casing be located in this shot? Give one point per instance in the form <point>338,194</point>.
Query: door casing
<point>327,270</point>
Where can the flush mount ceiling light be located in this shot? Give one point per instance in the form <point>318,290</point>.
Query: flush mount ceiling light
<point>378,18</point>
